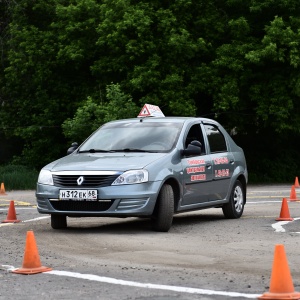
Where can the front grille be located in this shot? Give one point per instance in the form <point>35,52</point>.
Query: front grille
<point>81,205</point>
<point>88,180</point>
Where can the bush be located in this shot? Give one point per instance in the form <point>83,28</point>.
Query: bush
<point>18,177</point>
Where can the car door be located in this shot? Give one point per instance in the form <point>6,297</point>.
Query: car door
<point>197,170</point>
<point>222,161</point>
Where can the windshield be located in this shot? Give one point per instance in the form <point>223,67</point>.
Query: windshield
<point>139,137</point>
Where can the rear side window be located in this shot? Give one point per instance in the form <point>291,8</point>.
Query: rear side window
<point>216,140</point>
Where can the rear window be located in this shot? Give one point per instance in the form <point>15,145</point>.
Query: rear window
<point>216,139</point>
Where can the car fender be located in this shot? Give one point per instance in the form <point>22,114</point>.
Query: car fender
<point>237,173</point>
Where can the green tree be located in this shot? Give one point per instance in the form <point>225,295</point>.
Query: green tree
<point>155,49</point>
<point>42,85</point>
<point>92,114</point>
<point>257,69</point>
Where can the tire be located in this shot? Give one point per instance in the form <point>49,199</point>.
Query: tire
<point>235,207</point>
<point>58,221</point>
<point>164,209</point>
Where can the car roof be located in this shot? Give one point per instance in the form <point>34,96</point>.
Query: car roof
<point>166,119</point>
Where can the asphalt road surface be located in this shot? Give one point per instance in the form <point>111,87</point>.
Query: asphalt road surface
<point>203,256</point>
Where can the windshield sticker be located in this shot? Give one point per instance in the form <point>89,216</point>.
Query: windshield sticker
<point>198,177</point>
<point>222,173</point>
<point>195,169</point>
<point>196,162</point>
<point>221,160</point>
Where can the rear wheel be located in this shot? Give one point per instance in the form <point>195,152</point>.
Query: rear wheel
<point>58,221</point>
<point>164,209</point>
<point>235,207</point>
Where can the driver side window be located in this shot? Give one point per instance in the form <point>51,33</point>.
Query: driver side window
<point>195,133</point>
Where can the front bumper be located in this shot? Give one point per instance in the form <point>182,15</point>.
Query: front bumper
<point>115,201</point>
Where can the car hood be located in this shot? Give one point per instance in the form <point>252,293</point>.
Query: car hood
<point>104,162</point>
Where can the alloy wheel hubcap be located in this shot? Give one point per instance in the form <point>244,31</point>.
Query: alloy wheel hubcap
<point>238,199</point>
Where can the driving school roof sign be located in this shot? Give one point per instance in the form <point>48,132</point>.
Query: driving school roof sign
<point>150,110</point>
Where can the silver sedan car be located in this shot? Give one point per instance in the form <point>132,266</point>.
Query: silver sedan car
<point>151,167</point>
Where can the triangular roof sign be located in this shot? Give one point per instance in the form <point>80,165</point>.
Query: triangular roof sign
<point>150,110</point>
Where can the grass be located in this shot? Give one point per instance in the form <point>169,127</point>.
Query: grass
<point>17,177</point>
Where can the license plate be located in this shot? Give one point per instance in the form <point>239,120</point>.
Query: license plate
<point>78,195</point>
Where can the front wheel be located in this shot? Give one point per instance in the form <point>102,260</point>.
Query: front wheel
<point>58,221</point>
<point>235,207</point>
<point>164,209</point>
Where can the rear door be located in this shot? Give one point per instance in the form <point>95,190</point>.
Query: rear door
<point>222,161</point>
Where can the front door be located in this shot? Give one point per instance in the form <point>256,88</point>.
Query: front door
<point>197,179</point>
<point>197,170</point>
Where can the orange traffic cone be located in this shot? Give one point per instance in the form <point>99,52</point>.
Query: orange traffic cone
<point>297,183</point>
<point>285,212</point>
<point>2,189</point>
<point>293,196</point>
<point>31,262</point>
<point>281,283</point>
<point>11,214</point>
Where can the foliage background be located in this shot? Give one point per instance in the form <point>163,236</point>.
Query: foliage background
<point>68,66</point>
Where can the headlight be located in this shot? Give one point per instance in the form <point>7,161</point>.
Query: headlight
<point>132,177</point>
<point>45,177</point>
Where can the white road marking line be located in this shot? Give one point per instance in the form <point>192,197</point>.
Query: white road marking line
<point>36,219</point>
<point>7,268</point>
<point>18,208</point>
<point>31,220</point>
<point>278,225</point>
<point>265,197</point>
<point>263,202</point>
<point>271,192</point>
<point>6,224</point>
<point>150,285</point>
<point>110,280</point>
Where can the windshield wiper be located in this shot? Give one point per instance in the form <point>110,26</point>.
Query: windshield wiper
<point>132,150</point>
<point>115,150</point>
<point>95,151</point>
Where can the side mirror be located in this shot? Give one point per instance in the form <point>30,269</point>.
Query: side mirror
<point>73,147</point>
<point>194,148</point>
